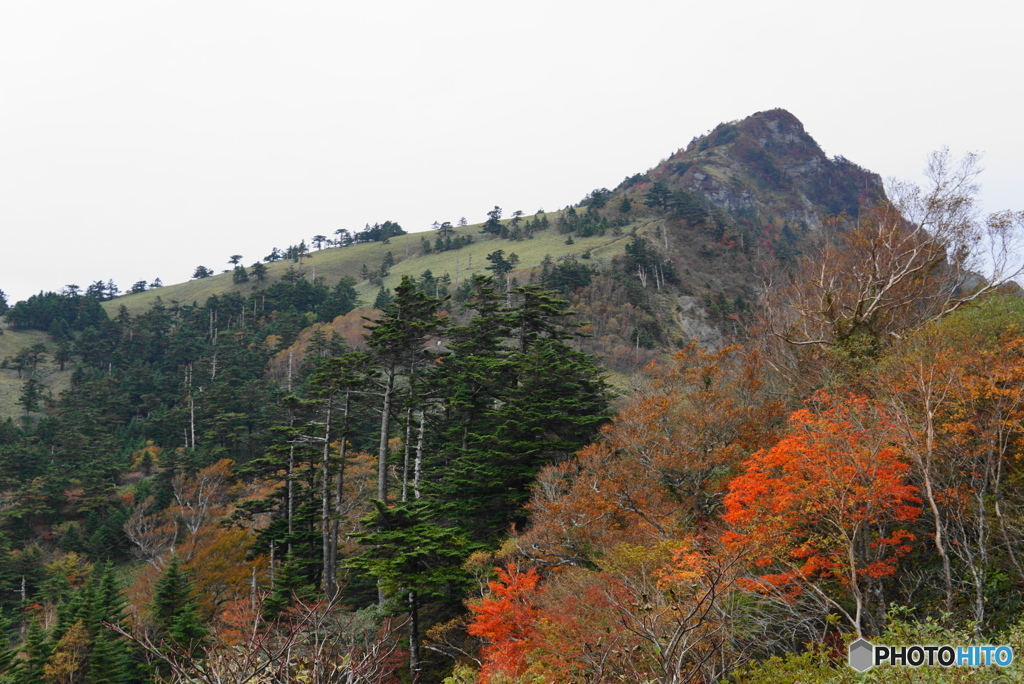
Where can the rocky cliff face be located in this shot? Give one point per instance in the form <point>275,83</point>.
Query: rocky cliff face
<point>769,165</point>
<point>748,194</point>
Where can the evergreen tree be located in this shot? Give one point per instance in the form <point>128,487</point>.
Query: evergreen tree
<point>110,658</point>
<point>386,264</point>
<point>259,272</point>
<point>9,665</point>
<point>518,397</point>
<point>342,299</point>
<point>176,611</point>
<point>383,299</point>
<point>31,395</point>
<point>397,342</point>
<point>493,223</point>
<point>415,562</point>
<point>37,650</point>
<point>338,387</point>
<point>658,195</point>
<point>290,581</point>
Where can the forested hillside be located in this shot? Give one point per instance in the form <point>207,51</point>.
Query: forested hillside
<point>709,425</point>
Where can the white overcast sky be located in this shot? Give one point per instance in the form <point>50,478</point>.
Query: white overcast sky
<point>139,139</point>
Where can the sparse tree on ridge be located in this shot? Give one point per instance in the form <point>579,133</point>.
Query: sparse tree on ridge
<point>493,223</point>
<point>259,272</point>
<point>386,264</point>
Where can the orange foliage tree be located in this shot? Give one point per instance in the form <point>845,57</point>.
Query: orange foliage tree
<point>645,613</point>
<point>506,621</point>
<point>215,556</point>
<point>823,512</point>
<point>636,585</point>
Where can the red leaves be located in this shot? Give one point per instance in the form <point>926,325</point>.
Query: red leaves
<point>814,504</point>
<point>506,621</point>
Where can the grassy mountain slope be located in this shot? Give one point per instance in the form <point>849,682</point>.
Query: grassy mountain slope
<point>332,264</point>
<point>54,380</point>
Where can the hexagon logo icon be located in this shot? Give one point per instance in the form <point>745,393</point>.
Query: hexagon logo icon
<point>862,655</point>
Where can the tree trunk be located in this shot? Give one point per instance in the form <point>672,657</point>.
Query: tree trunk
<point>385,426</point>
<point>408,447</point>
<point>418,469</point>
<point>382,456</point>
<point>291,493</point>
<point>339,492</point>
<point>325,503</point>
<point>926,467</point>
<point>414,638</point>
<point>191,407</point>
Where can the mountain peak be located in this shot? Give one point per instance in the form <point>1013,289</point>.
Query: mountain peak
<point>769,128</point>
<point>768,163</point>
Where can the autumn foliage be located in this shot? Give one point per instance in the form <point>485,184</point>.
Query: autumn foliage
<point>506,621</point>
<point>645,611</point>
<point>828,503</point>
<point>662,464</point>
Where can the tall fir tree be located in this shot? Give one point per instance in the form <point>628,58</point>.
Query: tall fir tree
<point>519,398</point>
<point>175,609</point>
<point>416,562</point>
<point>396,344</point>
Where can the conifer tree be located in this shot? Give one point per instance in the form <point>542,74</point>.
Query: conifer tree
<point>396,342</point>
<point>338,385</point>
<point>415,562</point>
<point>9,666</point>
<point>37,650</point>
<point>176,611</point>
<point>110,659</point>
<point>518,398</point>
<point>290,581</point>
<point>382,299</point>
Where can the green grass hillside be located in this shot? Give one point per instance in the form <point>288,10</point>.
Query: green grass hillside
<point>334,263</point>
<point>54,380</point>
